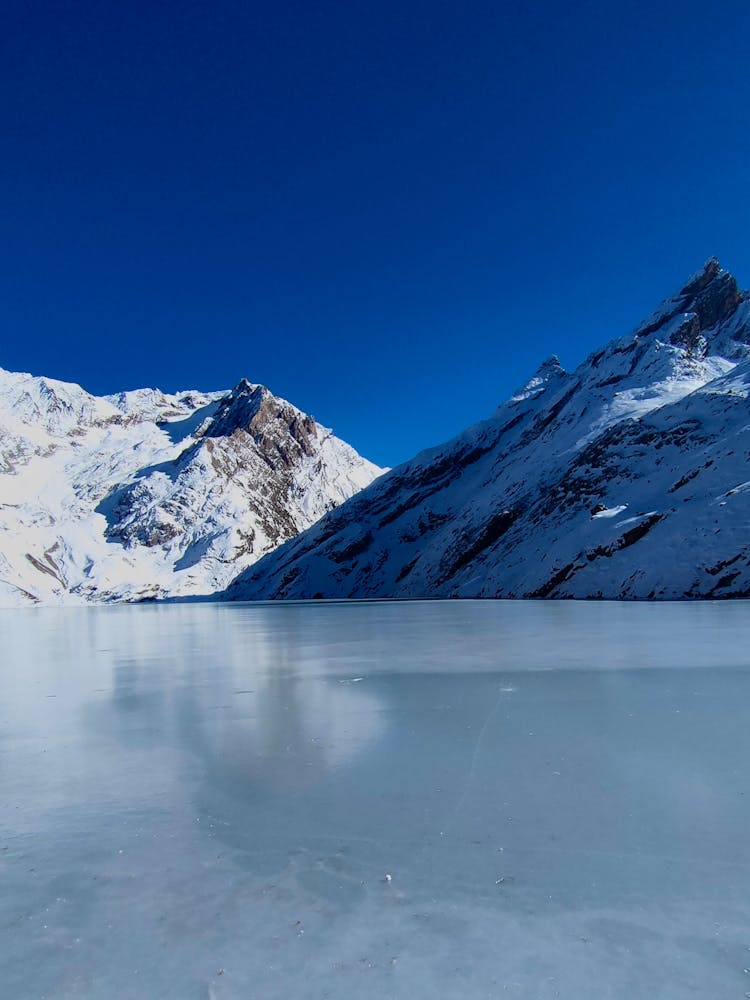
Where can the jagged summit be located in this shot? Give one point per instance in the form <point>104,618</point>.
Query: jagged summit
<point>283,432</point>
<point>550,372</point>
<point>144,494</point>
<point>626,478</point>
<point>708,299</point>
<point>550,364</point>
<point>237,409</point>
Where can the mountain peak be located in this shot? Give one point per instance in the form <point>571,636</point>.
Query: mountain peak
<point>238,409</point>
<point>550,365</point>
<point>145,494</point>
<point>549,372</point>
<point>697,282</point>
<point>274,424</point>
<point>625,479</point>
<point>708,298</point>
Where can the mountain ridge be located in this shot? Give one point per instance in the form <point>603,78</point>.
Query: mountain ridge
<point>611,481</point>
<point>145,494</point>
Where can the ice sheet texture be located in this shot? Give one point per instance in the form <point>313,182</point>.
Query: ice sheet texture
<point>207,801</point>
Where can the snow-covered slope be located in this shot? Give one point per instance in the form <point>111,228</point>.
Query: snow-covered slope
<point>627,478</point>
<point>144,494</point>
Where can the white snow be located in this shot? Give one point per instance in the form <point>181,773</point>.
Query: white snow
<point>611,511</point>
<point>655,424</point>
<point>67,459</point>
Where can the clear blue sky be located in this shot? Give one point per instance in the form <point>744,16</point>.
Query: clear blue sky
<point>389,212</point>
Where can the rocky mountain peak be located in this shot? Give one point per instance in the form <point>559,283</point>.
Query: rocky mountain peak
<point>702,278</point>
<point>279,429</point>
<point>709,298</point>
<point>550,372</point>
<point>237,409</point>
<point>145,494</point>
<point>550,366</point>
<point>625,479</point>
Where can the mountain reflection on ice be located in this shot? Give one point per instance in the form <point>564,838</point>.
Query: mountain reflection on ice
<point>205,800</point>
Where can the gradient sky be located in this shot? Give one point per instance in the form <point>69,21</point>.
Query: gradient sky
<point>390,213</point>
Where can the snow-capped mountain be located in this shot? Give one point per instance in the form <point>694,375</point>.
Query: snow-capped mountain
<point>626,478</point>
<point>146,495</point>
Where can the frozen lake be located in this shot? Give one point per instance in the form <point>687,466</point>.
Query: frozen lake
<point>207,801</point>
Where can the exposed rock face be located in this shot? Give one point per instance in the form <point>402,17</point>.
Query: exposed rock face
<point>146,495</point>
<point>627,478</point>
<point>282,433</point>
<point>710,298</point>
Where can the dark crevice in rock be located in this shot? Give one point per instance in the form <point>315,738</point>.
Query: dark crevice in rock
<point>353,549</point>
<point>723,564</point>
<point>555,580</point>
<point>490,533</point>
<point>627,539</point>
<point>406,569</point>
<point>683,481</point>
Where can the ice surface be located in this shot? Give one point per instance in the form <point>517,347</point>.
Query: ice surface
<point>207,801</point>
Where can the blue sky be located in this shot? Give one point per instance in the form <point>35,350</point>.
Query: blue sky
<point>389,213</point>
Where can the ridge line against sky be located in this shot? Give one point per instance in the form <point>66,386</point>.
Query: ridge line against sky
<point>389,214</point>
